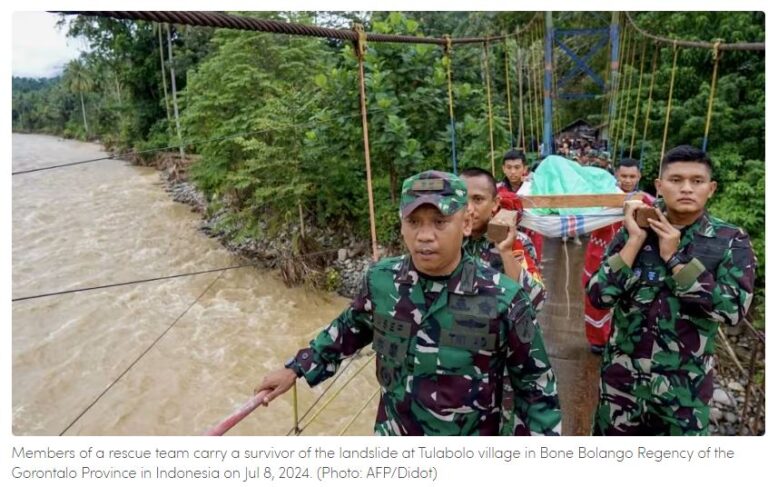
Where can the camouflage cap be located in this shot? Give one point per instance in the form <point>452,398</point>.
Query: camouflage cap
<point>604,156</point>
<point>446,191</point>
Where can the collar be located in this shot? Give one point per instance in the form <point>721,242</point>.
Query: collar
<point>703,226</point>
<point>461,281</point>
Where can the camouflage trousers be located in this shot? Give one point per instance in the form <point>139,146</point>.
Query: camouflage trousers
<point>635,411</point>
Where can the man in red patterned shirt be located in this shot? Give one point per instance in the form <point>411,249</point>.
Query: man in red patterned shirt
<point>515,169</point>
<point>597,322</point>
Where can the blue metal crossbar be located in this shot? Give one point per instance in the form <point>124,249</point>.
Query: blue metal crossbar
<point>578,96</point>
<point>579,32</point>
<point>581,63</point>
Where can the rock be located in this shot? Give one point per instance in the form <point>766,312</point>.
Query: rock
<point>730,417</point>
<point>735,386</point>
<point>722,397</point>
<point>342,255</point>
<point>733,331</point>
<point>715,414</point>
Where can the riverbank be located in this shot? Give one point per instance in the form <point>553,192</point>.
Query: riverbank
<point>322,259</point>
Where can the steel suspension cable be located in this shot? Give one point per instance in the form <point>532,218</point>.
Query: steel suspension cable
<point>129,283</point>
<point>637,99</point>
<point>295,429</point>
<point>534,74</point>
<point>336,394</point>
<point>141,355</point>
<point>375,393</point>
<point>555,91</point>
<point>529,96</point>
<point>541,69</point>
<point>650,102</point>
<point>360,51</point>
<point>620,91</point>
<point>616,89</point>
<point>520,101</point>
<point>509,94</point>
<point>669,105</point>
<point>490,106</point>
<point>606,113</point>
<point>539,95</point>
<point>628,95</point>
<point>228,21</point>
<point>712,90</point>
<point>450,102</point>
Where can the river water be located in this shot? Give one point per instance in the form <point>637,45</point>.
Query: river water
<point>168,357</point>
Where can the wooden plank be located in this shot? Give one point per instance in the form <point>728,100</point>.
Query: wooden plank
<point>615,200</point>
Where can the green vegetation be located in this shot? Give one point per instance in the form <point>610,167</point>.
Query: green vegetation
<point>276,119</point>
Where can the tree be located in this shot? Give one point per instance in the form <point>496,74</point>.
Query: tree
<point>79,81</point>
<point>173,90</point>
<point>159,29</point>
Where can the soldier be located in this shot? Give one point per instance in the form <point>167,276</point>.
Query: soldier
<point>515,256</point>
<point>443,329</point>
<point>670,288</point>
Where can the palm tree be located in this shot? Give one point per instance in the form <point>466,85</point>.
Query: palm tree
<point>159,29</point>
<point>173,90</point>
<point>79,81</point>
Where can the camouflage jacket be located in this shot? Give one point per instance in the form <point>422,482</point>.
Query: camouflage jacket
<point>665,325</point>
<point>440,366</point>
<point>530,278</point>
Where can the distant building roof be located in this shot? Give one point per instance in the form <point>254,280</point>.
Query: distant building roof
<point>574,124</point>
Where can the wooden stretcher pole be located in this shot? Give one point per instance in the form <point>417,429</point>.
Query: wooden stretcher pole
<point>234,418</point>
<point>611,200</point>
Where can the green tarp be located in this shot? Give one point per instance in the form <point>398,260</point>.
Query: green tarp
<point>558,175</point>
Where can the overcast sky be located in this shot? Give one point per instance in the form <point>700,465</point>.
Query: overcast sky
<point>40,50</point>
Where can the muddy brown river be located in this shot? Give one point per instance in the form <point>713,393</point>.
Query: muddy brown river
<point>169,357</point>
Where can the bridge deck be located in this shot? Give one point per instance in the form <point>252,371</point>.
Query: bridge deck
<point>562,322</point>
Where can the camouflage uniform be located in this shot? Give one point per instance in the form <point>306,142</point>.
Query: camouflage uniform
<point>531,282</point>
<point>442,343</point>
<point>657,370</point>
<point>530,279</point>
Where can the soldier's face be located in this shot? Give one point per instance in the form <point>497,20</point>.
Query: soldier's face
<point>628,178</point>
<point>434,240</point>
<point>686,187</point>
<point>514,170</point>
<point>482,202</point>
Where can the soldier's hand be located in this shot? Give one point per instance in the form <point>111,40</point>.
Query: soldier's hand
<point>669,236</point>
<point>633,229</point>
<point>277,382</point>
